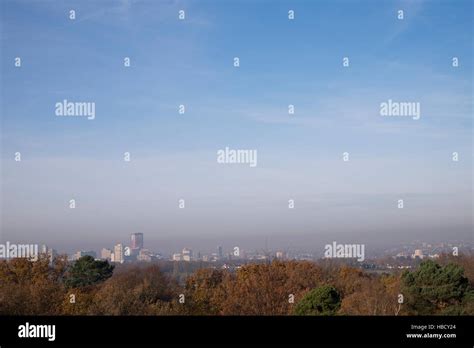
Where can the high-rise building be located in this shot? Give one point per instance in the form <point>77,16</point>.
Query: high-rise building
<point>52,254</point>
<point>118,253</point>
<point>136,241</point>
<point>187,254</point>
<point>219,252</point>
<point>106,254</point>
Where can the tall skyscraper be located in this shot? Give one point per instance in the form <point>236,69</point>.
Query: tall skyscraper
<point>136,241</point>
<point>118,253</point>
<point>219,252</point>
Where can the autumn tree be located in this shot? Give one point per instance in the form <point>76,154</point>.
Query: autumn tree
<point>267,289</point>
<point>375,295</point>
<point>136,291</point>
<point>202,295</point>
<point>30,287</point>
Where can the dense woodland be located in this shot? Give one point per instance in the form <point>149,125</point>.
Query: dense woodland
<point>92,287</point>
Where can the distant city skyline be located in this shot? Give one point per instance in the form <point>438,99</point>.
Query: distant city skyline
<point>220,253</point>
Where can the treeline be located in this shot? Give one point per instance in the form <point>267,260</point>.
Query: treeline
<point>91,287</point>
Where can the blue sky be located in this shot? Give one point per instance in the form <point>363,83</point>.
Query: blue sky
<point>190,62</point>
